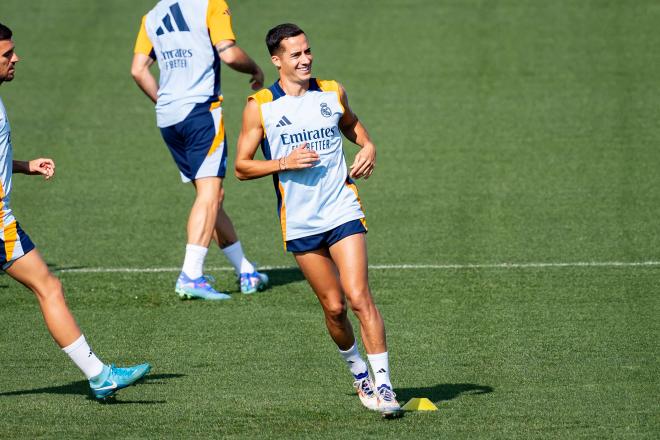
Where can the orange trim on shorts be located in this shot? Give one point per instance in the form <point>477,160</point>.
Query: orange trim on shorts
<point>352,186</point>
<point>282,214</point>
<point>219,137</point>
<point>10,236</point>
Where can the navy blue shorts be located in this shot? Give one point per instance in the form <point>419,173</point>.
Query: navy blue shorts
<point>327,238</point>
<point>198,144</point>
<point>13,245</point>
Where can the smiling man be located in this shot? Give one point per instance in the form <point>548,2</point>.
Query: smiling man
<point>20,260</point>
<point>298,121</point>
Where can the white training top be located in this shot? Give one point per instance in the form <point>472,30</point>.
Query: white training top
<point>181,35</point>
<point>320,198</point>
<point>6,165</point>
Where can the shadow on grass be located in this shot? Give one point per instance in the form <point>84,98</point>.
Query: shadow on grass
<point>81,387</point>
<point>441,392</point>
<point>281,277</point>
<point>56,268</point>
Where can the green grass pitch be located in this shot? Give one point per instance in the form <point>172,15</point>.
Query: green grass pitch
<point>509,131</point>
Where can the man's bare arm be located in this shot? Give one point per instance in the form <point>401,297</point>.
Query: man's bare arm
<point>365,161</point>
<point>248,142</point>
<point>236,58</point>
<point>143,76</point>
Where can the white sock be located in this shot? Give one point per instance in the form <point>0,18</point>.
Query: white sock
<point>381,368</point>
<point>84,357</point>
<point>193,263</point>
<point>236,257</point>
<point>355,362</point>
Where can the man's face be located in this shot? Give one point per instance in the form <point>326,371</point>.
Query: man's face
<point>8,60</point>
<point>294,59</point>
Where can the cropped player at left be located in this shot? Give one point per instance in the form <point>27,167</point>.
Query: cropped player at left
<point>20,259</point>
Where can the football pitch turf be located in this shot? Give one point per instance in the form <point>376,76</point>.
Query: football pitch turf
<point>513,227</point>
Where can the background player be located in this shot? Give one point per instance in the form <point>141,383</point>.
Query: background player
<point>189,38</point>
<point>299,121</point>
<point>22,261</point>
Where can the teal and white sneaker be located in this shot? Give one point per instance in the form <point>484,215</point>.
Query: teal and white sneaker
<point>253,282</point>
<point>113,379</point>
<point>199,288</point>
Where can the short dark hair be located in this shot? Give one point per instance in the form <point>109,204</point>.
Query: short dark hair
<point>5,32</point>
<point>275,36</point>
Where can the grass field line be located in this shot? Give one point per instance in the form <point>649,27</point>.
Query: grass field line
<point>586,264</point>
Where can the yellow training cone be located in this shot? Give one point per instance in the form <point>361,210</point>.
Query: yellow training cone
<point>419,404</point>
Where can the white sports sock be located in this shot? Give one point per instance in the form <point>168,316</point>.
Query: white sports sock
<point>84,357</point>
<point>381,368</point>
<point>193,263</point>
<point>236,257</point>
<point>355,362</point>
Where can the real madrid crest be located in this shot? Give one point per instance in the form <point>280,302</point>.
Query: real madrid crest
<point>325,110</point>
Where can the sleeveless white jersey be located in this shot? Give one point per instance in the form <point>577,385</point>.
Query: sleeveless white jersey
<point>179,32</point>
<point>320,198</point>
<point>6,165</point>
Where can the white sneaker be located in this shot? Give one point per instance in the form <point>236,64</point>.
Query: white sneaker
<point>366,392</point>
<point>387,403</point>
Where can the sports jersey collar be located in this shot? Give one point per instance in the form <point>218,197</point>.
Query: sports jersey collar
<point>278,92</point>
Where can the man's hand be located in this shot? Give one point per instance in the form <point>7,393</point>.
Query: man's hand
<point>43,166</point>
<point>301,157</point>
<point>257,79</point>
<point>364,162</point>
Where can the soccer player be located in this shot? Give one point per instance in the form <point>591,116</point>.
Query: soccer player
<point>299,121</point>
<point>189,38</point>
<point>20,259</point>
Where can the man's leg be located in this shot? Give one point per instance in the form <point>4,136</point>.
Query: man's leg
<point>31,271</point>
<point>201,223</point>
<point>223,232</point>
<point>203,214</point>
<point>225,235</point>
<point>350,256</point>
<point>321,273</point>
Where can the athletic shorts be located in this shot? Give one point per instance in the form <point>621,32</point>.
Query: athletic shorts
<point>13,245</point>
<point>327,238</point>
<point>198,143</point>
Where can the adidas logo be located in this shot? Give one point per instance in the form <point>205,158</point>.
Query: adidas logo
<point>382,370</point>
<point>178,20</point>
<point>283,122</point>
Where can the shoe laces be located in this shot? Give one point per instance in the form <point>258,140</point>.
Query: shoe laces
<point>365,386</point>
<point>249,278</point>
<point>203,283</point>
<point>123,372</point>
<point>386,393</point>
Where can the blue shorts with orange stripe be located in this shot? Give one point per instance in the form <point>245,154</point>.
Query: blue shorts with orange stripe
<point>13,245</point>
<point>198,143</point>
<point>327,238</point>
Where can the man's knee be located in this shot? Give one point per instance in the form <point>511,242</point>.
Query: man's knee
<point>335,311</point>
<point>362,303</point>
<point>221,197</point>
<point>48,288</point>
